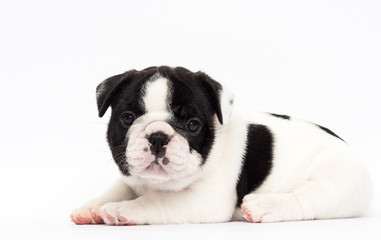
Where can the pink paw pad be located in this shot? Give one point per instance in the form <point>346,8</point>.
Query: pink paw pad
<point>248,215</point>
<point>74,219</point>
<point>97,219</point>
<point>80,220</point>
<point>122,221</point>
<point>110,218</point>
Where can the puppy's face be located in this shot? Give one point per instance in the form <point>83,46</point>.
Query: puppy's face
<point>163,121</point>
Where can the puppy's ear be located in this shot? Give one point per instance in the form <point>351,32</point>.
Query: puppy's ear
<point>108,89</point>
<point>222,100</point>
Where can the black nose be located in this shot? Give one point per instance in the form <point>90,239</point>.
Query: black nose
<point>158,140</point>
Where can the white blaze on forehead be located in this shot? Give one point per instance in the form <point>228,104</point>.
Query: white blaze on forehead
<point>156,95</point>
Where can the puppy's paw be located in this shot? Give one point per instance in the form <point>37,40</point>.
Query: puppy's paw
<point>259,208</point>
<point>122,213</point>
<point>87,214</point>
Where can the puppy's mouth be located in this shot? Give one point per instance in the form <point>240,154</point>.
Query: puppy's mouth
<point>155,169</point>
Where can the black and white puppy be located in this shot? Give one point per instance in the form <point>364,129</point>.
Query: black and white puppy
<point>187,157</point>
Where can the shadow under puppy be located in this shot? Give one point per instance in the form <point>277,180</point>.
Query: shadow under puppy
<point>186,156</point>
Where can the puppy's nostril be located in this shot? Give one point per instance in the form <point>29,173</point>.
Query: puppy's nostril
<point>158,140</point>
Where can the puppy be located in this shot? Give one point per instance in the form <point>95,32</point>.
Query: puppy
<point>186,156</point>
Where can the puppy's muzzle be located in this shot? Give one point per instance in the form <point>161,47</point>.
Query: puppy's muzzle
<point>159,133</point>
<point>158,141</point>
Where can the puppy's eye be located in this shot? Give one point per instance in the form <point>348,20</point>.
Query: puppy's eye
<point>193,125</point>
<point>128,118</point>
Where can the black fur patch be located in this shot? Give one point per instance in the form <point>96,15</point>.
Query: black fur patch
<point>329,132</point>
<point>286,117</point>
<point>194,96</point>
<point>125,98</point>
<point>257,161</point>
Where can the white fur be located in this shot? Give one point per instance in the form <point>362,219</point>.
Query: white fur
<point>227,103</point>
<point>156,95</point>
<point>314,175</point>
<point>159,126</point>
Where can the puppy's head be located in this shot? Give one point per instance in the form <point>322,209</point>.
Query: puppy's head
<point>163,122</point>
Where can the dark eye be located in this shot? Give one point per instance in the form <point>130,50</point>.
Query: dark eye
<point>128,118</point>
<point>193,125</point>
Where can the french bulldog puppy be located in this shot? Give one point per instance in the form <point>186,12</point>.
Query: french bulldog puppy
<point>186,156</point>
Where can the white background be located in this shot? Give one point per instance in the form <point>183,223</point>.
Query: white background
<point>316,60</point>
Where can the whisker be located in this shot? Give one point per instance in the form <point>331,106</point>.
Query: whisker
<point>125,165</point>
<point>119,158</point>
<point>119,154</point>
<point>119,146</point>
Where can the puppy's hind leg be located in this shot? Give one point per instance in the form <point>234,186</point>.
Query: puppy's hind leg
<point>335,191</point>
<point>340,191</point>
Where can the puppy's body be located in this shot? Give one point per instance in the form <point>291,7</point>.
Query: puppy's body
<point>208,163</point>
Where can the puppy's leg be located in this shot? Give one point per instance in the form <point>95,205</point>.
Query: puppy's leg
<point>310,201</point>
<point>271,207</point>
<point>335,191</point>
<point>188,206</point>
<point>89,212</point>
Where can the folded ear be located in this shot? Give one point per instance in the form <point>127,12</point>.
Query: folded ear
<point>222,100</point>
<point>107,89</point>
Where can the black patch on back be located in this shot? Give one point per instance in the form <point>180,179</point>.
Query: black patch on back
<point>257,161</point>
<point>286,117</point>
<point>329,132</point>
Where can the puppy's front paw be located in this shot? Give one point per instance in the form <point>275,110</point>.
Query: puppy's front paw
<point>87,214</point>
<point>122,213</point>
